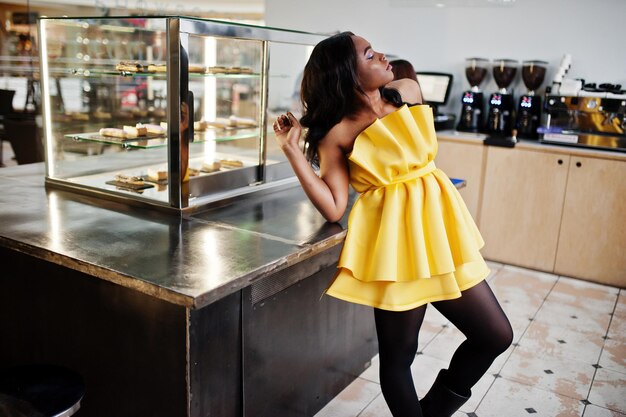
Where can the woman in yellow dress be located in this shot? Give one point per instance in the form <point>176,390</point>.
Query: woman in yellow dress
<point>411,240</point>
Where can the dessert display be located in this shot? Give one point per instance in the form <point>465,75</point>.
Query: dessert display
<point>218,69</point>
<point>156,175</point>
<point>130,182</point>
<point>211,167</point>
<point>129,66</point>
<point>156,68</point>
<point>102,115</point>
<point>231,163</point>
<point>133,132</point>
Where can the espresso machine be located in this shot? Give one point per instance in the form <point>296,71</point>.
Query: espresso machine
<point>500,117</point>
<point>471,119</point>
<point>592,117</point>
<point>529,104</point>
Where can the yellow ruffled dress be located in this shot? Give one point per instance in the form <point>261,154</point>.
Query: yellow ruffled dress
<point>411,239</point>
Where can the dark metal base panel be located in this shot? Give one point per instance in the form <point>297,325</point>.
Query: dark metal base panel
<point>300,351</point>
<point>128,347</point>
<point>215,359</point>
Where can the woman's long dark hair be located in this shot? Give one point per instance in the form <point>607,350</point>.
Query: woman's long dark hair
<point>330,89</point>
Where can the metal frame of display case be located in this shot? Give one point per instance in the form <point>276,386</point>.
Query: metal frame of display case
<point>204,190</point>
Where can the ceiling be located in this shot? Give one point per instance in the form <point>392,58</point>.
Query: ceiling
<point>248,8</point>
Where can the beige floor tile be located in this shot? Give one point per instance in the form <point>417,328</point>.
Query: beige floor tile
<point>425,369</point>
<point>377,408</point>
<point>478,393</point>
<point>434,317</point>
<point>609,390</point>
<point>427,333</point>
<point>519,323</point>
<point>595,411</point>
<point>352,400</point>
<point>620,308</point>
<point>371,373</point>
<point>551,373</point>
<point>617,328</point>
<point>614,356</point>
<point>561,341</point>
<point>583,294</point>
<point>532,282</point>
<point>445,344</point>
<point>573,317</point>
<point>512,399</point>
<point>500,361</point>
<point>521,292</point>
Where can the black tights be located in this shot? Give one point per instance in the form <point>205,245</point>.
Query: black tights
<point>477,314</point>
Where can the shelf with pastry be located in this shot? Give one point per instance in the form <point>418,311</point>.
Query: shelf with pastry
<point>128,139</point>
<point>156,71</point>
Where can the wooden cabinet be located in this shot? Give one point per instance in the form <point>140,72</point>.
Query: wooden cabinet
<point>465,161</point>
<point>592,239</point>
<point>522,206</point>
<point>554,209</point>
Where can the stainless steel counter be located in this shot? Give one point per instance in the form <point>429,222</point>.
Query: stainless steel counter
<point>190,262</point>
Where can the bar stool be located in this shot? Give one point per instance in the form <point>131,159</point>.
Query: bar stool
<point>40,391</point>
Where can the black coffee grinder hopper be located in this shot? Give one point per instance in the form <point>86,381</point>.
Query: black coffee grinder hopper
<point>501,115</point>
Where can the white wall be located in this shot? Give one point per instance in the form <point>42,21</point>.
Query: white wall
<point>439,39</point>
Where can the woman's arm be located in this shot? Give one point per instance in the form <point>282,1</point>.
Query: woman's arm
<point>329,191</point>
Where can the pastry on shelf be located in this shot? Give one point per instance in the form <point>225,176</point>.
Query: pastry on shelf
<point>102,115</point>
<point>157,112</point>
<point>113,132</point>
<point>80,116</point>
<point>123,114</point>
<point>240,70</point>
<point>156,130</point>
<point>138,112</point>
<point>129,66</point>
<point>216,69</point>
<point>219,123</point>
<point>231,163</point>
<point>200,126</point>
<point>157,175</point>
<point>135,131</point>
<point>129,182</point>
<point>156,68</point>
<point>236,121</point>
<point>211,166</point>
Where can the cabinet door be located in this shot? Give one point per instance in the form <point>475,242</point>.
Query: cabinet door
<point>522,206</point>
<point>465,161</point>
<point>592,242</point>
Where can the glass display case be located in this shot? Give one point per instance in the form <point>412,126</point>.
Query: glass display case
<point>173,112</point>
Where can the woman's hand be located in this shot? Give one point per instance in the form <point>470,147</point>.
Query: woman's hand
<point>288,130</point>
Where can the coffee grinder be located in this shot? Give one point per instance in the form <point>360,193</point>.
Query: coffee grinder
<point>471,119</point>
<point>500,118</point>
<point>529,104</point>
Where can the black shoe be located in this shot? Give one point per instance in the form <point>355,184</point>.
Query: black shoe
<point>441,401</point>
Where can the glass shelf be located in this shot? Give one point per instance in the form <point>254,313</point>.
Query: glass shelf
<point>100,72</point>
<point>216,135</point>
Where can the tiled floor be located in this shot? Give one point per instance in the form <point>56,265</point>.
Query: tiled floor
<point>568,356</point>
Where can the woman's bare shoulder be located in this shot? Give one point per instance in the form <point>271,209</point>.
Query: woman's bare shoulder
<point>409,90</point>
<point>342,135</point>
